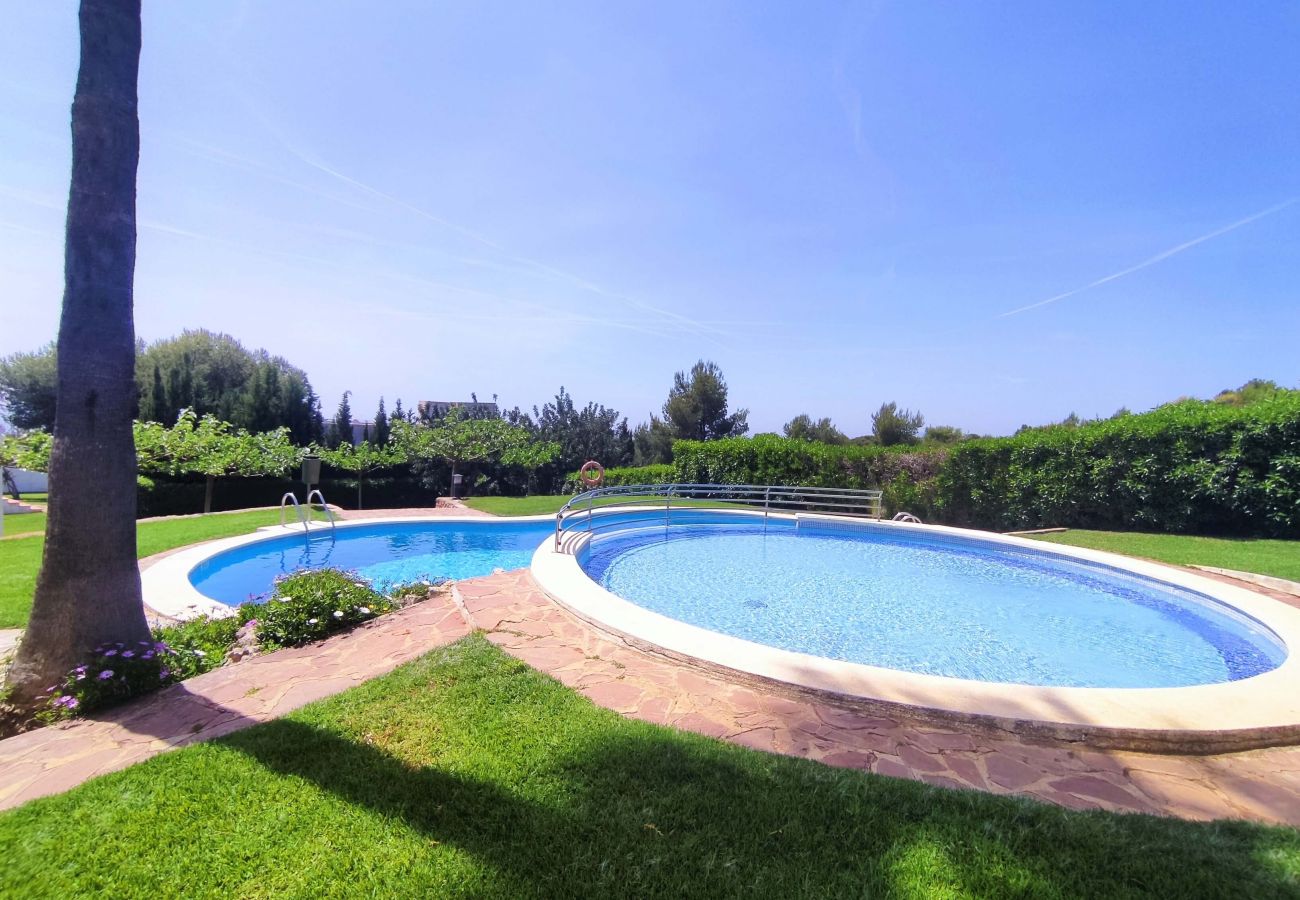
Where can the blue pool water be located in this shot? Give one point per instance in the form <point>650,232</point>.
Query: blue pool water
<point>948,606</point>
<point>385,554</point>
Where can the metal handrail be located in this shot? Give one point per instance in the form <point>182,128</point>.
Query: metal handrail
<point>323,505</point>
<point>298,509</point>
<point>581,509</point>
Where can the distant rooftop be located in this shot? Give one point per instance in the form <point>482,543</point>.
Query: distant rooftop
<point>437,409</point>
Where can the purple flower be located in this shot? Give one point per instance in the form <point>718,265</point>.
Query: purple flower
<point>148,654</point>
<point>105,675</point>
<point>161,647</point>
<point>128,654</point>
<point>143,643</point>
<point>164,674</point>
<point>110,653</point>
<point>68,703</point>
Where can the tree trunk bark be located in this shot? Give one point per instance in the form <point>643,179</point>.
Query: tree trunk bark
<point>207,494</point>
<point>88,589</point>
<point>360,478</point>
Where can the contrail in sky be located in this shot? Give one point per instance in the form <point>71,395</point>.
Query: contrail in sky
<point>1159,257</point>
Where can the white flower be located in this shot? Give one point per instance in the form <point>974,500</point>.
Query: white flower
<point>199,653</point>
<point>365,610</point>
<point>286,599</point>
<point>338,613</point>
<point>311,621</point>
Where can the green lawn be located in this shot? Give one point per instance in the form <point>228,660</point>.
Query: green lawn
<point>467,773</point>
<point>1264,557</point>
<point>20,557</point>
<point>24,524</point>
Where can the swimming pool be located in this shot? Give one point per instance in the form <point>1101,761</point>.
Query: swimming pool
<point>931,604</point>
<point>383,553</point>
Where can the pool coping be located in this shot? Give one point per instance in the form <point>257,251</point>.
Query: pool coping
<point>166,586</point>
<point>1260,711</point>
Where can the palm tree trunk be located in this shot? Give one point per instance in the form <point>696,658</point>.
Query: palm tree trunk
<point>88,590</point>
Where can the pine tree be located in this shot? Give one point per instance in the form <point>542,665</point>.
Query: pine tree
<point>341,428</point>
<point>381,425</point>
<point>158,409</point>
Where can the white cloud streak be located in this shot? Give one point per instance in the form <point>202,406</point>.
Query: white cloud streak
<point>1159,257</point>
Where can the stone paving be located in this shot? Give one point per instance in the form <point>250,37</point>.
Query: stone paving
<point>518,617</point>
<point>56,758</point>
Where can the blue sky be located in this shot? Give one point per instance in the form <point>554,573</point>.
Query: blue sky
<point>841,204</point>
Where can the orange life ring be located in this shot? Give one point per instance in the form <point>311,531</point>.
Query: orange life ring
<point>592,473</point>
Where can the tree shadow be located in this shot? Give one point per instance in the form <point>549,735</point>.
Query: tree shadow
<point>650,812</point>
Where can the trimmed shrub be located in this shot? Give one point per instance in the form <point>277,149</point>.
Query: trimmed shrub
<point>905,475</point>
<point>1190,467</point>
<point>662,473</point>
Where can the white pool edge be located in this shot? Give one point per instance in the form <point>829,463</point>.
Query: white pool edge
<point>1253,711</point>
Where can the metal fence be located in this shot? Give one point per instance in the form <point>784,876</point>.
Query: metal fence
<point>607,508</point>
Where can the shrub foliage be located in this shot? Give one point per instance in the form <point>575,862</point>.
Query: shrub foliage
<point>1189,467</point>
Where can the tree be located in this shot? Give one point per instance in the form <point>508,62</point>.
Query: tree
<point>592,432</point>
<point>382,431</point>
<point>652,443</point>
<point>459,441</point>
<point>1250,393</point>
<point>27,388</point>
<point>696,408</point>
<point>207,446</point>
<point>362,459</point>
<point>944,434</point>
<point>340,430</point>
<point>892,426</point>
<point>822,431</point>
<point>30,450</point>
<point>88,589</point>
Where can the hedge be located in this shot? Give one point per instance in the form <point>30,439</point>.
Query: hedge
<point>1190,467</point>
<point>662,473</point>
<point>185,497</point>
<point>906,475</point>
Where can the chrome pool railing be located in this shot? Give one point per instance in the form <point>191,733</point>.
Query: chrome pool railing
<point>593,510</point>
<point>304,516</point>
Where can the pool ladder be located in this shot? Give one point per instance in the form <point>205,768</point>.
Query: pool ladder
<point>304,515</point>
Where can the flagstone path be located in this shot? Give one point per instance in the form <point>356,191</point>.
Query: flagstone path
<point>521,619</point>
<point>56,758</point>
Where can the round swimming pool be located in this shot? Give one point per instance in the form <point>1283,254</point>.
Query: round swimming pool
<point>383,553</point>
<point>928,603</point>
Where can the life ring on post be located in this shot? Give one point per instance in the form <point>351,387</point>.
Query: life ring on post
<point>592,474</point>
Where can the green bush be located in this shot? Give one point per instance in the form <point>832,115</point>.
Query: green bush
<point>905,475</point>
<point>662,473</point>
<point>111,674</point>
<point>200,644</point>
<point>1190,467</point>
<point>310,605</point>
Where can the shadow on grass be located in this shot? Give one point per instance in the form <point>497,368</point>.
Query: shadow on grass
<point>649,812</point>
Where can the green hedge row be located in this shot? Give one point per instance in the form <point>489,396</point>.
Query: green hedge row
<point>906,475</point>
<point>657,474</point>
<point>1192,467</point>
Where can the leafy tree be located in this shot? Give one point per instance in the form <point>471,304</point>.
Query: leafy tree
<point>29,450</point>
<point>362,459</point>
<point>696,408</point>
<point>892,426</point>
<point>652,443</point>
<point>213,448</point>
<point>460,441</point>
<point>593,432</point>
<point>88,589</point>
<point>944,434</point>
<point>1250,393</point>
<point>398,414</point>
<point>27,388</point>
<point>822,431</point>
<point>340,430</point>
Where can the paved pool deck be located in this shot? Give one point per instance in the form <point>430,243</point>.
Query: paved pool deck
<point>516,615</point>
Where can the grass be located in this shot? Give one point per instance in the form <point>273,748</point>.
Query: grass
<point>24,524</point>
<point>467,773</point>
<point>20,557</point>
<point>1263,557</point>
